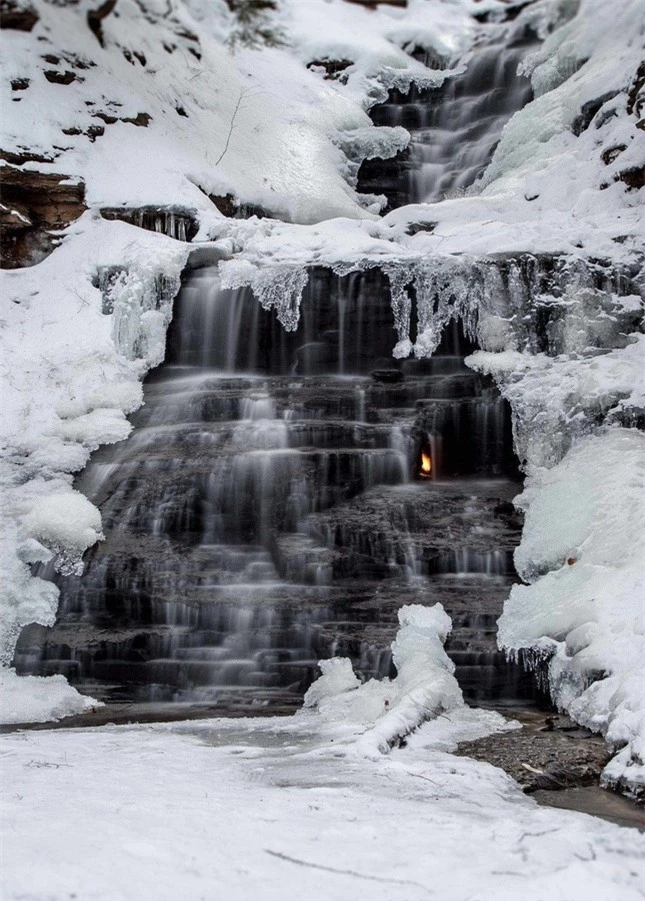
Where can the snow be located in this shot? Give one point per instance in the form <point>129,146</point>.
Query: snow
<point>390,709</point>
<point>582,554</point>
<point>35,699</point>
<point>257,123</point>
<point>273,807</point>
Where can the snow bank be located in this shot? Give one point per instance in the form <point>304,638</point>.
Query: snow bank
<point>164,107</point>
<point>582,554</point>
<point>107,813</point>
<point>390,709</point>
<point>33,699</point>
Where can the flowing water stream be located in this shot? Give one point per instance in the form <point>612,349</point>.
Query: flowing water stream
<point>455,128</point>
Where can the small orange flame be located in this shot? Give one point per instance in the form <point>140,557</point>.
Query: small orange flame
<point>426,464</point>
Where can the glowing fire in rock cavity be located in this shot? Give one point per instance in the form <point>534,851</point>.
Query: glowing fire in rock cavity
<point>426,464</point>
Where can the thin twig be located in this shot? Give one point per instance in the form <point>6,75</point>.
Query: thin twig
<point>243,93</point>
<point>319,866</point>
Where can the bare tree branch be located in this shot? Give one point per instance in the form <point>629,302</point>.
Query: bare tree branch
<point>243,94</point>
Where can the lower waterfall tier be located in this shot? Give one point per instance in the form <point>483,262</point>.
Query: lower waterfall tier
<point>257,524</point>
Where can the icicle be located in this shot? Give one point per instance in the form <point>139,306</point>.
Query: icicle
<point>400,279</point>
<point>281,288</point>
<point>432,315</point>
<point>276,287</point>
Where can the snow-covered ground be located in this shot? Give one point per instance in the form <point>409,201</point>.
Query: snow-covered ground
<point>85,324</point>
<point>277,809</point>
<point>328,804</point>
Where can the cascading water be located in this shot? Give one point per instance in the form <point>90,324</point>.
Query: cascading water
<point>455,128</point>
<point>268,508</point>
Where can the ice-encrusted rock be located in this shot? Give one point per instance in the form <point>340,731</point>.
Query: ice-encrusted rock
<point>386,711</point>
<point>582,554</point>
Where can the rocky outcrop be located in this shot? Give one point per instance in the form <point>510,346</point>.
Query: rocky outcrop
<point>35,208</point>
<point>180,224</point>
<point>18,16</point>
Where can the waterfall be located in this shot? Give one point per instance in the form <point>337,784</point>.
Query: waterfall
<point>454,129</point>
<point>269,508</point>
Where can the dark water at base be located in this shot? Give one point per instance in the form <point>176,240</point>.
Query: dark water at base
<point>597,802</point>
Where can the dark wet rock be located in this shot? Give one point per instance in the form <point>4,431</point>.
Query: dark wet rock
<point>17,16</point>
<point>633,177</point>
<point>56,77</point>
<point>372,4</point>
<point>20,84</point>
<point>549,752</point>
<point>172,221</point>
<point>588,112</point>
<point>636,94</point>
<point>37,205</point>
<point>612,153</point>
<point>233,208</point>
<point>104,117</point>
<point>415,227</point>
<point>25,156</point>
<point>95,19</point>
<point>428,56</point>
<point>225,203</point>
<point>141,120</point>
<point>334,69</point>
<point>387,177</point>
<point>387,375</point>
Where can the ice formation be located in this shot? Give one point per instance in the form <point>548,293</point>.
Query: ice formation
<point>389,709</point>
<point>582,557</point>
<point>276,287</point>
<point>67,393</point>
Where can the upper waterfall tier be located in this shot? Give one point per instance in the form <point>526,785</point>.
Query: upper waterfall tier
<point>454,129</point>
